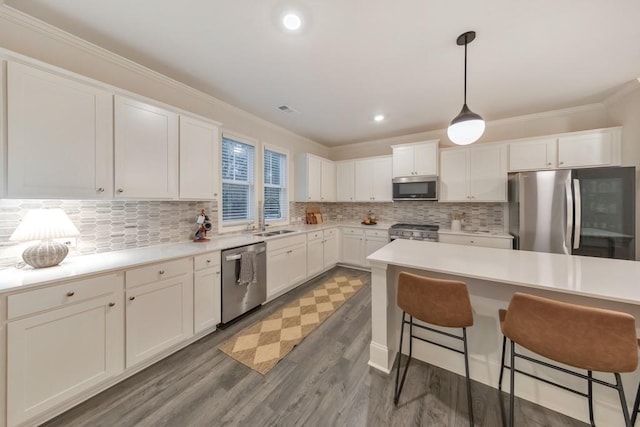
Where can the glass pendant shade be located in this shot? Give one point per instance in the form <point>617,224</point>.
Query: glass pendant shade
<point>466,128</point>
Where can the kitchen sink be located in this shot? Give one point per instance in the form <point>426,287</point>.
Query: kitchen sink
<point>274,233</point>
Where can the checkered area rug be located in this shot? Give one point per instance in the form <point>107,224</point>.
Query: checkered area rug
<point>262,345</point>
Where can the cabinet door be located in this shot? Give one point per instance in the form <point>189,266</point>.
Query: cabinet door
<point>297,264</point>
<point>532,155</point>
<point>353,249</point>
<point>584,150</point>
<point>331,251</point>
<point>488,174</point>
<point>426,158</point>
<point>314,178</point>
<point>60,136</point>
<point>328,191</point>
<point>345,181</point>
<point>454,176</point>
<point>315,257</point>
<point>206,298</point>
<point>363,172</point>
<point>146,150</point>
<point>159,315</point>
<point>59,354</point>
<point>381,187</point>
<point>403,161</point>
<point>277,271</point>
<point>199,170</point>
<point>372,244</point>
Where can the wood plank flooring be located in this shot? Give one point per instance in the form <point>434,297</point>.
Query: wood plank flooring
<point>325,381</point>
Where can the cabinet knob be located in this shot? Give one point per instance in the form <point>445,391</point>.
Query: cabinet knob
<point>471,241</point>
<point>549,164</point>
<point>112,304</point>
<point>70,293</point>
<point>562,163</point>
<point>309,198</point>
<point>101,190</point>
<point>208,261</point>
<point>215,194</point>
<point>132,298</point>
<point>218,273</point>
<point>120,190</point>
<point>161,272</point>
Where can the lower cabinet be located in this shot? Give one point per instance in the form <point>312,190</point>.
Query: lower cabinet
<point>286,263</point>
<point>159,308</point>
<point>65,339</point>
<point>315,253</point>
<point>374,240</point>
<point>474,240</point>
<point>331,250</point>
<point>206,291</point>
<point>358,244</point>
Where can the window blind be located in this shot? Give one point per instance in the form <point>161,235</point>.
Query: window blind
<point>237,180</point>
<point>275,185</point>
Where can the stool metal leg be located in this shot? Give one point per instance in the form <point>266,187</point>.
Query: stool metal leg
<point>396,395</point>
<point>623,400</point>
<point>636,408</point>
<point>466,367</point>
<point>590,397</point>
<point>504,345</point>
<point>512,391</point>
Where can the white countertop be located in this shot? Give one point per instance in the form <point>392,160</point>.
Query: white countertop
<point>488,233</point>
<point>602,278</point>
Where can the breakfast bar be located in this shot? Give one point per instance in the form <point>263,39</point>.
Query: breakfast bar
<point>492,276</point>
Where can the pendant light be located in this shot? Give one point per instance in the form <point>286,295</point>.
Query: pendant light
<point>468,126</point>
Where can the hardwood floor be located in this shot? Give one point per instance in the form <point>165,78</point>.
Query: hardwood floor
<point>325,381</point>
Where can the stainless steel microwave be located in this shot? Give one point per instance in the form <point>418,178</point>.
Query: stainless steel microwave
<point>415,188</point>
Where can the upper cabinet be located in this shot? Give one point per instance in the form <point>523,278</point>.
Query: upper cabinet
<point>345,181</point>
<point>373,179</point>
<point>60,136</point>
<point>315,179</point>
<point>415,159</point>
<point>146,150</point>
<point>474,174</point>
<point>600,147</point>
<point>199,159</point>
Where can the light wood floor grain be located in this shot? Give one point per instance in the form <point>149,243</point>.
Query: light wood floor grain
<point>325,381</point>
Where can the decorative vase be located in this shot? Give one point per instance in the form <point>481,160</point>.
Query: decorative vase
<point>456,225</point>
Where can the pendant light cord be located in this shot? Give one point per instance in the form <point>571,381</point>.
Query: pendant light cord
<point>465,69</point>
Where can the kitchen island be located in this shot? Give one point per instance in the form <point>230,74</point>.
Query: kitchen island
<point>492,276</point>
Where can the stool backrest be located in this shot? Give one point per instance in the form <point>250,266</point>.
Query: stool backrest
<point>584,337</point>
<point>436,301</point>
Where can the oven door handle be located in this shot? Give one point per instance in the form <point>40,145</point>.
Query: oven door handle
<point>238,256</point>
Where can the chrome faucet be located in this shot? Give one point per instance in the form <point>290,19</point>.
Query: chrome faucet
<point>261,219</point>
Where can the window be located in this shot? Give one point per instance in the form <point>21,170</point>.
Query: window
<point>275,186</point>
<point>237,181</point>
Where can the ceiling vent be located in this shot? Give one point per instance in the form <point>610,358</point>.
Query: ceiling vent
<point>287,109</point>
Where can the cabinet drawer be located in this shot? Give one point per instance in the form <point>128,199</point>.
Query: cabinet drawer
<point>330,232</point>
<point>377,233</point>
<point>314,235</point>
<point>354,231</point>
<point>284,242</point>
<point>484,241</point>
<point>160,271</point>
<point>61,295</point>
<point>210,259</point>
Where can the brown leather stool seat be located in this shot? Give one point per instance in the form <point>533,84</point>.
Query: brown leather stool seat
<point>582,337</point>
<point>438,302</point>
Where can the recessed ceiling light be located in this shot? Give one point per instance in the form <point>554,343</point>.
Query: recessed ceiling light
<point>291,21</point>
<point>378,117</point>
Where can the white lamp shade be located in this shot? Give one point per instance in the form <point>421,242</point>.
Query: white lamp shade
<point>44,224</point>
<point>466,132</point>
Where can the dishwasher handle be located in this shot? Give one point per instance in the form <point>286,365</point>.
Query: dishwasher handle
<point>238,256</point>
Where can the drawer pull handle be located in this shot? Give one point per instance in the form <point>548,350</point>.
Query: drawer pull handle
<point>70,293</point>
<point>208,261</point>
<point>112,304</point>
<point>120,190</point>
<point>161,271</point>
<point>101,190</point>
<point>132,298</point>
<point>218,273</point>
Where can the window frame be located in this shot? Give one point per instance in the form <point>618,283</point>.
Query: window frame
<point>287,187</point>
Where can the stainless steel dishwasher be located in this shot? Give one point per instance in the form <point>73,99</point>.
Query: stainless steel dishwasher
<point>239,298</point>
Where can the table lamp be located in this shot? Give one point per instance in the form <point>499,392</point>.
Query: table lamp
<point>44,225</point>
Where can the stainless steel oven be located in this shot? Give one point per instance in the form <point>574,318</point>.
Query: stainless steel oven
<point>238,298</point>
<point>415,188</point>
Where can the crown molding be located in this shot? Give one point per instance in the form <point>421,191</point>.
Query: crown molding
<point>625,90</point>
<point>20,18</point>
<point>548,114</point>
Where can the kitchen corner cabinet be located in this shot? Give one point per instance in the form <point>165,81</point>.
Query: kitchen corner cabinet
<point>322,250</point>
<point>475,174</point>
<point>206,291</point>
<point>146,150</point>
<point>62,341</point>
<point>315,179</point>
<point>345,181</point>
<point>358,244</point>
<point>286,263</point>
<point>373,179</point>
<point>199,159</point>
<point>59,136</point>
<point>415,159</point>
<point>159,308</point>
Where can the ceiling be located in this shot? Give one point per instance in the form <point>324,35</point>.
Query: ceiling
<point>353,59</point>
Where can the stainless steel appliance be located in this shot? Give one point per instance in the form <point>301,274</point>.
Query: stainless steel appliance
<point>415,188</point>
<point>581,212</point>
<point>238,298</point>
<point>414,232</point>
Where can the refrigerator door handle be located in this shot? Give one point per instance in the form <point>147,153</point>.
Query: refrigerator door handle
<point>567,188</point>
<point>578,208</point>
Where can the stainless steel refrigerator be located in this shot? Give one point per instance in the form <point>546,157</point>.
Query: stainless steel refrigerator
<point>580,212</point>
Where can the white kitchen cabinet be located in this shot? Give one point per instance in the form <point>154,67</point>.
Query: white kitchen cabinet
<point>286,264</point>
<point>415,159</point>
<point>62,341</point>
<point>315,179</point>
<point>476,240</point>
<point>373,179</point>
<point>315,253</point>
<point>358,244</point>
<point>476,174</point>
<point>345,181</point>
<point>206,291</point>
<point>331,247</point>
<point>146,150</point>
<point>373,240</point>
<point>538,154</point>
<point>60,136</point>
<point>199,159</point>
<point>159,308</point>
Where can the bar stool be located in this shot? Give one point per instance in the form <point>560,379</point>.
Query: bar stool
<point>573,335</point>
<point>636,406</point>
<point>438,302</point>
